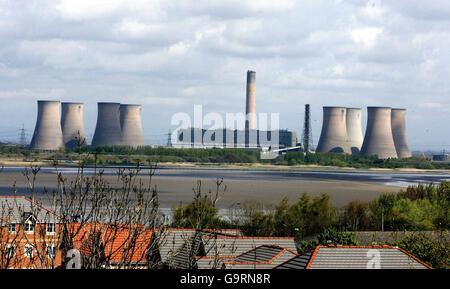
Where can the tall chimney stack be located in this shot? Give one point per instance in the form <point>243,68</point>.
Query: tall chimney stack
<point>250,108</point>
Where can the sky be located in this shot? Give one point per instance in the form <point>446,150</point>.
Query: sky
<point>170,55</point>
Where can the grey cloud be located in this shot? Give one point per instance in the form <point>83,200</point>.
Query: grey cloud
<point>169,55</point>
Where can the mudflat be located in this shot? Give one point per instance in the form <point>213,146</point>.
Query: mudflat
<point>269,187</point>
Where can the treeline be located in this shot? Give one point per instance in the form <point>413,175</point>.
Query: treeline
<point>161,154</point>
<point>418,208</point>
<point>356,161</point>
<point>125,155</point>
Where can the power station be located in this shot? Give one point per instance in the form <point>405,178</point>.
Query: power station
<point>131,125</point>
<point>121,124</point>
<point>249,138</point>
<point>47,133</point>
<point>72,124</point>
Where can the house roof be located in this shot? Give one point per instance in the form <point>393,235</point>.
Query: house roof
<point>15,209</point>
<point>233,246</point>
<point>178,247</point>
<point>262,257</point>
<point>122,243</point>
<point>354,257</point>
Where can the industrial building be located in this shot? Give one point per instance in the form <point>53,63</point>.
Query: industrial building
<point>227,138</point>
<point>72,124</point>
<point>47,133</point>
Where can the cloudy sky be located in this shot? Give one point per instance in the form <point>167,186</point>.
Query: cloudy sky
<point>170,55</point>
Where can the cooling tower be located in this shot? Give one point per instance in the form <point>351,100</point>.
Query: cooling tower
<point>107,131</point>
<point>333,137</point>
<point>47,133</point>
<point>378,139</point>
<point>250,107</point>
<point>72,124</point>
<point>131,124</point>
<point>398,123</point>
<point>354,132</point>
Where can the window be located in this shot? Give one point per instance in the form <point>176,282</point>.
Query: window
<point>10,251</point>
<point>29,227</point>
<point>12,228</point>
<point>50,251</point>
<point>51,228</point>
<point>28,251</point>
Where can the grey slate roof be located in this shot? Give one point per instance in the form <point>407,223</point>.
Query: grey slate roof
<point>262,254</point>
<point>354,258</point>
<point>263,257</point>
<point>298,262</point>
<point>178,248</point>
<point>233,246</point>
<point>16,209</point>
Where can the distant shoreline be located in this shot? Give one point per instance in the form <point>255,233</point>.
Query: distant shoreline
<point>215,166</point>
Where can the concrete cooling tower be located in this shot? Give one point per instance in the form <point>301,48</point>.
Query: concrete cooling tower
<point>333,137</point>
<point>131,124</point>
<point>354,132</point>
<point>47,133</point>
<point>72,124</point>
<point>378,139</point>
<point>108,131</point>
<point>250,107</point>
<point>398,123</point>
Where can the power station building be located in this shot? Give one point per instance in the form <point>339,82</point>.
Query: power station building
<point>72,124</point>
<point>227,138</point>
<point>47,133</point>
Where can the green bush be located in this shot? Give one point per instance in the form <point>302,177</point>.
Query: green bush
<point>435,253</point>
